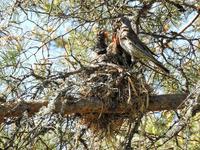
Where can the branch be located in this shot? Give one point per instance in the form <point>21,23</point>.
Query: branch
<point>189,24</point>
<point>16,109</point>
<point>156,103</point>
<point>193,106</point>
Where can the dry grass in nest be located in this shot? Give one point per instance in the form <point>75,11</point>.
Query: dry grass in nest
<point>114,88</point>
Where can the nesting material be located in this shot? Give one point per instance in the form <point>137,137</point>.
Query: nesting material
<point>114,86</point>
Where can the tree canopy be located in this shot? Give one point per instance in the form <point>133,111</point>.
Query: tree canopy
<point>54,95</point>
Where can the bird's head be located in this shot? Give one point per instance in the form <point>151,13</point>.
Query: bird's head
<point>121,22</point>
<point>102,34</point>
<point>116,24</point>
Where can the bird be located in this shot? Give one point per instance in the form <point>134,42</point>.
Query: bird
<point>117,53</point>
<point>130,42</point>
<point>100,47</point>
<point>101,42</point>
<point>113,52</point>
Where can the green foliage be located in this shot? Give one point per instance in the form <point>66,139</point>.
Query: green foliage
<point>9,58</point>
<point>40,39</point>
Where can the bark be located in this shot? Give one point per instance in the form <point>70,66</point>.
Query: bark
<point>156,103</point>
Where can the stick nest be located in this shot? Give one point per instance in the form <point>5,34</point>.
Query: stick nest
<point>114,85</point>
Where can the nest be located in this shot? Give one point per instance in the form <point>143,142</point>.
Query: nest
<point>114,86</point>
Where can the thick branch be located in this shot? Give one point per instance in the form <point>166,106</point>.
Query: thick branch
<point>156,103</point>
<point>166,102</point>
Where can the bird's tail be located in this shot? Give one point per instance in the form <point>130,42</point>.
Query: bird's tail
<point>161,67</point>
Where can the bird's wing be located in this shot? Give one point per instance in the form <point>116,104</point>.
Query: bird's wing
<point>139,44</point>
<point>137,49</point>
